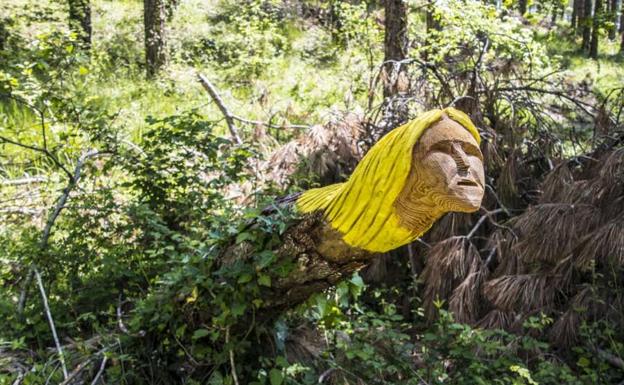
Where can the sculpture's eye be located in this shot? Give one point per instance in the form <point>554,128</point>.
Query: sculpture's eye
<point>444,146</point>
<point>472,150</point>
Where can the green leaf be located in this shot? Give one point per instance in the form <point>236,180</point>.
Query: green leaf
<point>216,379</point>
<point>281,361</point>
<point>265,258</point>
<point>276,377</point>
<point>264,280</point>
<point>199,333</point>
<point>238,309</point>
<point>244,236</point>
<point>244,278</point>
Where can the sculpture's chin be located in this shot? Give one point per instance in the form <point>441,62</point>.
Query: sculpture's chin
<point>466,199</point>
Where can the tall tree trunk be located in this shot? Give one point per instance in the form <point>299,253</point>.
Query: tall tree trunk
<point>80,20</point>
<point>622,31</point>
<point>555,13</point>
<point>613,17</point>
<point>154,16</point>
<point>3,33</point>
<point>622,16</point>
<point>580,14</point>
<point>586,24</point>
<point>575,15</point>
<point>522,6</point>
<point>593,47</point>
<point>395,47</point>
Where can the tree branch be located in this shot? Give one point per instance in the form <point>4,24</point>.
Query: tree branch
<point>41,150</point>
<point>23,181</point>
<point>229,118</point>
<point>44,298</point>
<point>43,243</point>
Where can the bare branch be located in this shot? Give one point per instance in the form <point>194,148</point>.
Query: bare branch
<point>76,371</point>
<point>43,243</point>
<point>63,199</point>
<point>23,181</point>
<point>44,151</point>
<point>232,362</point>
<point>100,371</point>
<point>44,298</point>
<point>229,118</point>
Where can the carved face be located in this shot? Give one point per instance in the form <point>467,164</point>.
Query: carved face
<point>451,166</point>
<point>446,175</point>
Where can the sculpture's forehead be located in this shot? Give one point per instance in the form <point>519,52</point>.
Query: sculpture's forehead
<point>445,129</point>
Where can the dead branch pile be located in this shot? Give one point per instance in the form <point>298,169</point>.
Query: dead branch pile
<point>563,256</point>
<point>330,152</point>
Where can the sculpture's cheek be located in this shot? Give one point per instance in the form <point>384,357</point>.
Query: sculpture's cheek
<point>438,171</point>
<point>442,180</point>
<point>476,170</point>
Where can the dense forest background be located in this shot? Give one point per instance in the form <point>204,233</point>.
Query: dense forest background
<point>143,146</point>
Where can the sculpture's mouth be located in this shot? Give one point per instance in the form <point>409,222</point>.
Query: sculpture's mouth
<point>467,183</point>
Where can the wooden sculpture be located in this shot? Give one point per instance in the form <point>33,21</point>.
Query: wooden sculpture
<point>409,179</point>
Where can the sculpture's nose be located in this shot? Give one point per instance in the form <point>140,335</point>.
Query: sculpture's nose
<point>461,159</point>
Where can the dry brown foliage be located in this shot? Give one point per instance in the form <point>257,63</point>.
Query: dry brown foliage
<point>328,151</point>
<point>563,256</point>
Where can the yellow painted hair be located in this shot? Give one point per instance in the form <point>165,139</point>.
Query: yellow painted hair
<point>362,208</point>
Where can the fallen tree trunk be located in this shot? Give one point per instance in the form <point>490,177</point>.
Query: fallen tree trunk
<point>404,184</point>
<point>318,258</point>
<point>216,304</point>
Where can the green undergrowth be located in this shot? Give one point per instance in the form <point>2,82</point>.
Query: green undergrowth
<point>601,75</point>
<point>132,267</point>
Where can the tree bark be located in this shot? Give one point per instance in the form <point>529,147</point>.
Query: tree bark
<point>3,34</point>
<point>622,16</point>
<point>319,256</point>
<point>80,21</point>
<point>622,42</point>
<point>593,47</point>
<point>395,47</point>
<point>613,16</point>
<point>555,13</point>
<point>154,16</point>
<point>575,15</point>
<point>322,260</point>
<point>522,6</point>
<point>586,24</point>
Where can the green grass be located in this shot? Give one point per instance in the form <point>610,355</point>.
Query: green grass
<point>295,85</point>
<point>605,73</point>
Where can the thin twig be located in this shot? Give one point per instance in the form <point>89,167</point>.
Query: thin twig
<point>76,371</point>
<point>23,181</point>
<point>229,118</point>
<point>38,149</point>
<point>481,220</point>
<point>43,242</point>
<point>44,298</point>
<point>19,379</point>
<point>100,371</point>
<point>232,363</point>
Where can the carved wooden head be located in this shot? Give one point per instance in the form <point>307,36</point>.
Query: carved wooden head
<point>447,172</point>
<point>406,181</point>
